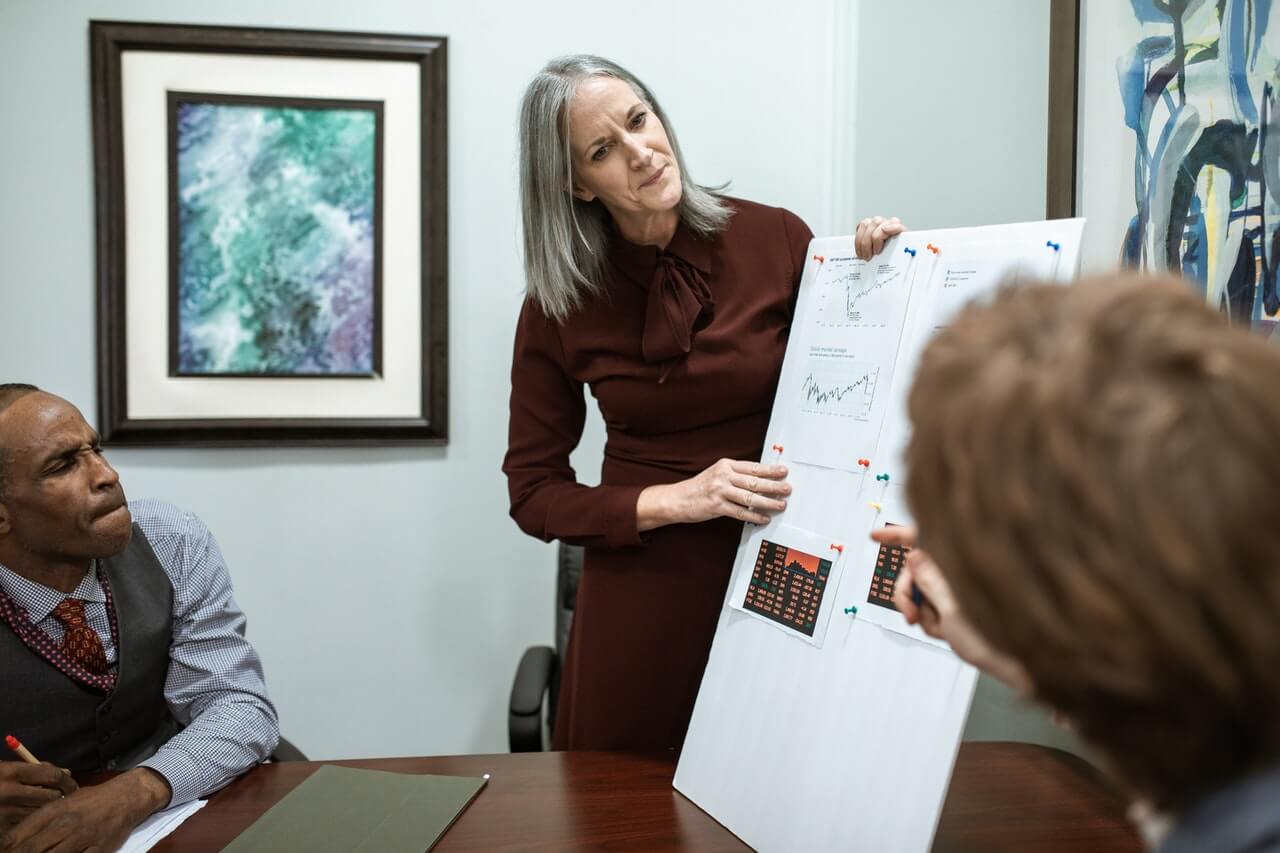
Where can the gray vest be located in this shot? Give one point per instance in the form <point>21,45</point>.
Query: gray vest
<point>75,726</point>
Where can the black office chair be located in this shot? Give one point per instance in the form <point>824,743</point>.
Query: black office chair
<point>531,712</point>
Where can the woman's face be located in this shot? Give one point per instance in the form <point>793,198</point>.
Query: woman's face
<point>621,154</point>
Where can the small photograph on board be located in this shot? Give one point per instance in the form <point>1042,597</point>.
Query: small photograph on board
<point>787,577</point>
<point>787,586</point>
<point>878,570</point>
<point>884,577</point>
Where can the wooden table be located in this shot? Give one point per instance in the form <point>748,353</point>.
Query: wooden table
<point>1003,797</point>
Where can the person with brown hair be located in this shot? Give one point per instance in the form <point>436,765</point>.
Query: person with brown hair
<point>1093,474</point>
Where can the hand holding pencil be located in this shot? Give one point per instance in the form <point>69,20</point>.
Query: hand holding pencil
<point>923,596</point>
<point>28,784</point>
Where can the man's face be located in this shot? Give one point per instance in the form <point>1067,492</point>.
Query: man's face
<point>63,502</point>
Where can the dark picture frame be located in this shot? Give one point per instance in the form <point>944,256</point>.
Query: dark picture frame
<point>1064,95</point>
<point>418,416</point>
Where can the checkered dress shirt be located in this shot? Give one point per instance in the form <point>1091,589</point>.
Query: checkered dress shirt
<point>215,686</point>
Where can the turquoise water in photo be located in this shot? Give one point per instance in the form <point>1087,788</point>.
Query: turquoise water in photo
<point>276,239</point>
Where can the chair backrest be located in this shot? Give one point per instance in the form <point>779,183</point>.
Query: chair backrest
<point>568,573</point>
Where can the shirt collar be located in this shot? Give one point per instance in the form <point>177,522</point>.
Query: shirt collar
<point>1238,817</point>
<point>637,262</point>
<point>39,600</point>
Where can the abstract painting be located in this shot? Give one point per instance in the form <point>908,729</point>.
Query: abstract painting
<point>1193,187</point>
<point>272,236</point>
<point>274,226</point>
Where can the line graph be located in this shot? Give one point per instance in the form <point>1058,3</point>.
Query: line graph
<point>845,390</point>
<point>853,293</point>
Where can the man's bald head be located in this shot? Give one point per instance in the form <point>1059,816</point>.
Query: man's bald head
<point>9,393</point>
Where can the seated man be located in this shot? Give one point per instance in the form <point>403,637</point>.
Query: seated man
<point>1093,470</point>
<point>121,647</point>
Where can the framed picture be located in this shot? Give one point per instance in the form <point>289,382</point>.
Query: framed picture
<point>1175,152</point>
<point>271,236</point>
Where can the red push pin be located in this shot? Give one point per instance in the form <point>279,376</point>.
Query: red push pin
<point>865,463</point>
<point>777,448</point>
<point>839,548</point>
<point>819,258</point>
<point>931,248</point>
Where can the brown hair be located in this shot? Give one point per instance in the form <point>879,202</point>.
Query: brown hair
<point>1096,468</point>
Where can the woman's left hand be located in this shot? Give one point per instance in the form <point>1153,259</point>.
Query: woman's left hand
<point>873,233</point>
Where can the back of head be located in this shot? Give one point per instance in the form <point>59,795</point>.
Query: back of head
<point>565,239</point>
<point>1094,467</point>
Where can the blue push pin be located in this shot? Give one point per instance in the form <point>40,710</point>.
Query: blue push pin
<point>1053,245</point>
<point>884,478</point>
<point>910,251</point>
<point>851,611</point>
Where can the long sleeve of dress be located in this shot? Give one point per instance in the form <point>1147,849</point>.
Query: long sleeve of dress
<point>547,416</point>
<point>798,237</point>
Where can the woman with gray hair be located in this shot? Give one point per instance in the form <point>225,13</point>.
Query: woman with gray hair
<point>672,304</point>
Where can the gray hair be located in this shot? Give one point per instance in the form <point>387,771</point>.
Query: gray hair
<point>566,239</point>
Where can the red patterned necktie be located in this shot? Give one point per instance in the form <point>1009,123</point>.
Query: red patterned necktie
<point>80,643</point>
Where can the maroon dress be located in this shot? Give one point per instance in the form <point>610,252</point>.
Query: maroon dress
<point>682,351</point>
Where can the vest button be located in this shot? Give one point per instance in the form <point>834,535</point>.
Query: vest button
<point>104,737</point>
<point>111,765</point>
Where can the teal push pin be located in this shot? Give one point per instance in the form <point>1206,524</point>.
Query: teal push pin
<point>884,478</point>
<point>851,611</point>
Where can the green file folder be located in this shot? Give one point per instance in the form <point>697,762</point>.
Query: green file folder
<point>342,809</point>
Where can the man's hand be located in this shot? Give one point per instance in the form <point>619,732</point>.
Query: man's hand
<point>95,818</point>
<point>26,787</point>
<point>940,615</point>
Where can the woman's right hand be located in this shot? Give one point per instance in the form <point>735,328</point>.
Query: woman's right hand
<point>872,233</point>
<point>746,491</point>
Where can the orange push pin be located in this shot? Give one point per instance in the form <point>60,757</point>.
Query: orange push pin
<point>839,548</point>
<point>777,448</point>
<point>865,463</point>
<point>931,248</point>
<point>876,506</point>
<point>819,258</point>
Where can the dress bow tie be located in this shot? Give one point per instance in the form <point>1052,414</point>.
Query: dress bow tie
<point>679,305</point>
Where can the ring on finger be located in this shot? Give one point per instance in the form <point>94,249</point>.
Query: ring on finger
<point>755,483</point>
<point>751,497</point>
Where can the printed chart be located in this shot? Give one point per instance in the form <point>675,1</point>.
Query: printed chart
<point>889,562</point>
<point>836,411</point>
<point>857,294</point>
<point>787,586</point>
<point>847,391</point>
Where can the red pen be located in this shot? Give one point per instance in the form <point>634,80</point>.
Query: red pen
<point>20,750</point>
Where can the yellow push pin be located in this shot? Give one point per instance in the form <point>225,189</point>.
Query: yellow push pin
<point>876,506</point>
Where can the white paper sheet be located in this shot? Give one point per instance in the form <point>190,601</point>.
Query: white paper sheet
<point>852,324</point>
<point>150,832</point>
